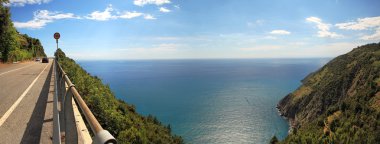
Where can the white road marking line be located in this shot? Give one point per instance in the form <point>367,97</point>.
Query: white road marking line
<point>16,69</point>
<point>13,107</point>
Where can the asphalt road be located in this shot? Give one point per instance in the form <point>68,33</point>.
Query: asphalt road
<point>25,103</point>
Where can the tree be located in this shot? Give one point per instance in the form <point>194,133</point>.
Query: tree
<point>8,34</point>
<point>59,54</point>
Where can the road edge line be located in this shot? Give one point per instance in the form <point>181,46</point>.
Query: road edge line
<point>13,107</point>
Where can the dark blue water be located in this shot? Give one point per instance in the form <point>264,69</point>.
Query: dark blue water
<point>209,101</point>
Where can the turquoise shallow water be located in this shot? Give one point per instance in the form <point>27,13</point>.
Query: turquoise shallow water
<point>209,101</point>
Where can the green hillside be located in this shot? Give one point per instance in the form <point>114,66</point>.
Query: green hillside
<point>13,45</point>
<point>339,103</point>
<point>115,115</point>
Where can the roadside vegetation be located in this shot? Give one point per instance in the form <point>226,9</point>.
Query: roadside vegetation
<point>118,117</point>
<point>13,45</point>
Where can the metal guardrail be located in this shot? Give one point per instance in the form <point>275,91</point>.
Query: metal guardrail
<point>64,121</point>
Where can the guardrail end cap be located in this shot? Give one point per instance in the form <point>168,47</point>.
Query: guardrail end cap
<point>104,137</point>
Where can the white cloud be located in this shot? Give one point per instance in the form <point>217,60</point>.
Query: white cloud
<point>145,2</point>
<point>32,24</point>
<point>280,32</point>
<point>324,29</point>
<point>164,10</point>
<point>42,17</point>
<point>24,2</point>
<point>360,24</point>
<point>102,16</point>
<point>375,36</point>
<point>368,23</point>
<point>109,14</point>
<point>149,17</point>
<point>129,15</point>
<point>177,6</point>
<point>45,14</point>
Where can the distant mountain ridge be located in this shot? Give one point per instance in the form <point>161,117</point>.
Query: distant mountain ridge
<point>338,103</point>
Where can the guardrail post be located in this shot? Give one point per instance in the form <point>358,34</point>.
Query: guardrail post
<point>61,91</point>
<point>71,132</point>
<point>56,125</point>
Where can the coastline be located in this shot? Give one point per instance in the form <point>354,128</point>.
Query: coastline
<point>291,121</point>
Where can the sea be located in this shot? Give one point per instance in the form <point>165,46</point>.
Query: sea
<point>209,101</point>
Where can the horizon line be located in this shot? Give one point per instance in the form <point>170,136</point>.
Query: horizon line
<point>132,59</point>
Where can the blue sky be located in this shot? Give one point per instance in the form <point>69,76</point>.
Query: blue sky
<point>178,29</point>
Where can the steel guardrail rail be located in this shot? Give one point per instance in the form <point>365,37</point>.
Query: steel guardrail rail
<point>101,136</point>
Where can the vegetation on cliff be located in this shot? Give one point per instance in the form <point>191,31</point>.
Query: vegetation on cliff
<point>13,45</point>
<point>115,115</point>
<point>339,103</point>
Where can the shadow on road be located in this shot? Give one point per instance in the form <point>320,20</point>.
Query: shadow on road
<point>32,133</point>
